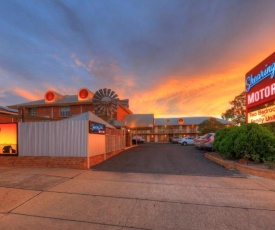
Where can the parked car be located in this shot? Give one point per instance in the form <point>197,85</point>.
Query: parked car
<point>137,140</point>
<point>186,141</point>
<point>208,141</point>
<point>197,142</point>
<point>8,149</point>
<point>174,140</point>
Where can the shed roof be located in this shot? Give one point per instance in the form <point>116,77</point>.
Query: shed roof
<point>89,116</point>
<point>139,120</point>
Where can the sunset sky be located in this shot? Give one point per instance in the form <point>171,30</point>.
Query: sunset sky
<point>168,57</point>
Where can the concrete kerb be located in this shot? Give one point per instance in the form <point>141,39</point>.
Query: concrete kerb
<point>266,173</point>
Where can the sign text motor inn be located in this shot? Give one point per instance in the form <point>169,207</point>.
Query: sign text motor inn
<point>260,91</point>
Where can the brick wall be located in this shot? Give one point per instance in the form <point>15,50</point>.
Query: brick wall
<point>54,111</point>
<point>43,112</point>
<point>7,119</point>
<point>94,160</point>
<point>55,162</point>
<point>49,162</point>
<point>75,110</point>
<point>86,108</point>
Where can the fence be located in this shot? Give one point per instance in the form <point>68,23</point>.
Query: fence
<point>55,139</point>
<point>60,140</point>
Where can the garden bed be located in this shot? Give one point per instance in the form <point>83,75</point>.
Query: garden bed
<point>256,169</point>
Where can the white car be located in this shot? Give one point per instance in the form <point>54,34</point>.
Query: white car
<point>198,141</point>
<point>137,140</point>
<point>187,141</point>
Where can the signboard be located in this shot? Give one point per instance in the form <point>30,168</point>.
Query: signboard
<point>262,116</point>
<point>260,83</point>
<point>96,128</point>
<point>8,139</point>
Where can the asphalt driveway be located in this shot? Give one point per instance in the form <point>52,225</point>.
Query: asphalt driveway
<point>164,158</point>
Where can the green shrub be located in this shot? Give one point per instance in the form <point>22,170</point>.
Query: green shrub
<point>250,141</point>
<point>226,140</point>
<point>220,135</point>
<point>242,145</point>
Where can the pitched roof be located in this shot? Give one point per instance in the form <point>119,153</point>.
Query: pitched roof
<point>187,121</point>
<point>139,120</point>
<point>7,110</point>
<point>89,116</point>
<point>66,100</point>
<point>118,123</point>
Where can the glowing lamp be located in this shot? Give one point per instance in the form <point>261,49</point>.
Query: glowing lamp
<point>83,93</point>
<point>180,121</point>
<point>49,96</point>
<point>52,96</point>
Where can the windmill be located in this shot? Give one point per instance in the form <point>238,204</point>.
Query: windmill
<point>105,102</point>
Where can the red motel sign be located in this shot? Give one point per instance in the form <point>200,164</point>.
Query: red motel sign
<point>260,83</point>
<point>260,90</point>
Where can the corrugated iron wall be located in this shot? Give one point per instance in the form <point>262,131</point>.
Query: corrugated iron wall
<point>66,139</point>
<point>60,138</point>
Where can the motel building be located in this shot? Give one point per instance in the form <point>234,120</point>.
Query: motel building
<point>82,130</point>
<point>163,129</point>
<point>260,92</point>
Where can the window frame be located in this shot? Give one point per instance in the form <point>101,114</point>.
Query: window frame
<point>64,111</point>
<point>32,112</point>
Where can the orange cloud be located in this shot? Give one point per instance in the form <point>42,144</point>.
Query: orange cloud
<point>195,96</point>
<point>29,95</point>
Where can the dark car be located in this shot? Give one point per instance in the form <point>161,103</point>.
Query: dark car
<point>8,149</point>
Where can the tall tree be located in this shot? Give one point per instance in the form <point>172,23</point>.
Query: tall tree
<point>237,112</point>
<point>210,126</point>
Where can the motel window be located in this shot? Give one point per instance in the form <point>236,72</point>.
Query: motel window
<point>32,111</point>
<point>64,111</point>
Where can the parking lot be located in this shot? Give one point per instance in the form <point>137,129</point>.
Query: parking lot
<point>164,158</point>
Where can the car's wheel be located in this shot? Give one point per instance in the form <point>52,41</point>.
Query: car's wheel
<point>184,143</point>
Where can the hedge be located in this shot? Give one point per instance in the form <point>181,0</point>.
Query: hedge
<point>250,141</point>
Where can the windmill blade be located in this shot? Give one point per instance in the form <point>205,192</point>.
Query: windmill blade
<point>114,96</point>
<point>112,93</point>
<point>109,92</point>
<point>97,96</point>
<point>105,92</point>
<point>101,93</point>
